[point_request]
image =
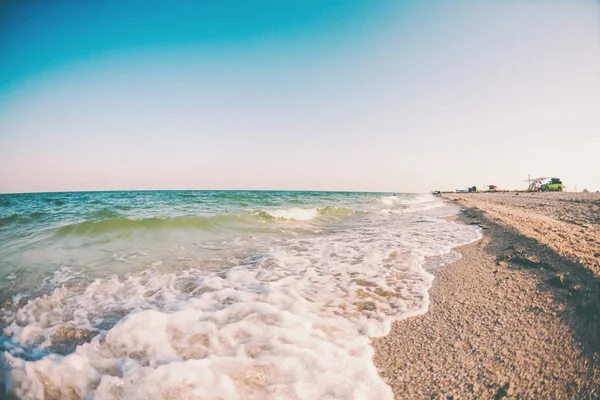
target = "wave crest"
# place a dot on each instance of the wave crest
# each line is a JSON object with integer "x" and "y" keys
{"x": 305, "y": 214}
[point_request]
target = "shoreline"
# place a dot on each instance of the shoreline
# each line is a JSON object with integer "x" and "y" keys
{"x": 500, "y": 324}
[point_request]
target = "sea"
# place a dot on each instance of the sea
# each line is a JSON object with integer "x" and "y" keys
{"x": 212, "y": 294}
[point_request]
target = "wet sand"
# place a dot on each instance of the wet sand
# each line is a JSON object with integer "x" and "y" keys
{"x": 517, "y": 316}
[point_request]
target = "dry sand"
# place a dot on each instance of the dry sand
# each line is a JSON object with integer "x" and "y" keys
{"x": 517, "y": 316}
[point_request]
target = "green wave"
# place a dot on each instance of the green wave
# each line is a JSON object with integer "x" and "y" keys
{"x": 8, "y": 220}
{"x": 14, "y": 219}
{"x": 336, "y": 211}
{"x": 106, "y": 213}
{"x": 119, "y": 225}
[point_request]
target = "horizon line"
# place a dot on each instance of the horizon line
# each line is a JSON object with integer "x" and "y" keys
{"x": 206, "y": 190}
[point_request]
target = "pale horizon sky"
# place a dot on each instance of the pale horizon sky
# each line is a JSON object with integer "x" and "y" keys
{"x": 375, "y": 95}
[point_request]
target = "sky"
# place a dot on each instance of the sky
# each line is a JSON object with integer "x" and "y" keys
{"x": 366, "y": 95}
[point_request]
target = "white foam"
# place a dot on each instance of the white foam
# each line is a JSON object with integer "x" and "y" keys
{"x": 390, "y": 200}
{"x": 395, "y": 205}
{"x": 404, "y": 199}
{"x": 424, "y": 206}
{"x": 251, "y": 333}
{"x": 294, "y": 213}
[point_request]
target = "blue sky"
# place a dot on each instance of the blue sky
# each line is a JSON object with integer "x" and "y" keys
{"x": 328, "y": 95}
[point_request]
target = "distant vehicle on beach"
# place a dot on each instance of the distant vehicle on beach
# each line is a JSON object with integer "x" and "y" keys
{"x": 555, "y": 185}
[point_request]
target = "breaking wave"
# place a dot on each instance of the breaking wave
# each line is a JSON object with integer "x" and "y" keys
{"x": 305, "y": 214}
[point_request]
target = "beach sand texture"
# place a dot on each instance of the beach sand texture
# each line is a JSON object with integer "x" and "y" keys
{"x": 517, "y": 316}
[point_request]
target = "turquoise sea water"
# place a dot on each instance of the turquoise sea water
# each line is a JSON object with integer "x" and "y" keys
{"x": 229, "y": 294}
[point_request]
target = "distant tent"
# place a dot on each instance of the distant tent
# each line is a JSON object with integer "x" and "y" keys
{"x": 535, "y": 183}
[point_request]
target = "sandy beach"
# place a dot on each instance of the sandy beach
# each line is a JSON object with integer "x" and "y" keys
{"x": 517, "y": 316}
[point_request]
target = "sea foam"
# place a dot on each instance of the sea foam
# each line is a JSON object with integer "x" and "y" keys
{"x": 294, "y": 213}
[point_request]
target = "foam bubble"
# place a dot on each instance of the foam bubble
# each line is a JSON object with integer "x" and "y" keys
{"x": 390, "y": 200}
